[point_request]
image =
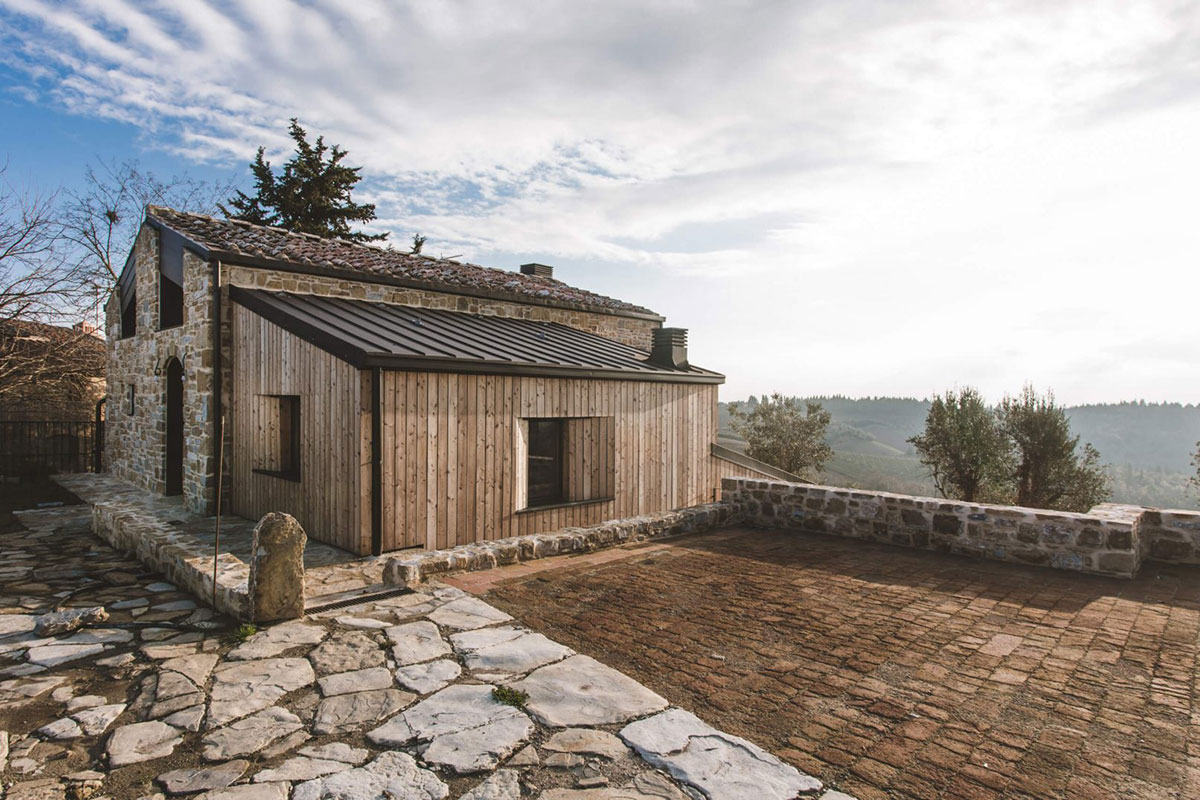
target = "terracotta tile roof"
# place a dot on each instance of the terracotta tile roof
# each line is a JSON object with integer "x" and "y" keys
{"x": 236, "y": 238}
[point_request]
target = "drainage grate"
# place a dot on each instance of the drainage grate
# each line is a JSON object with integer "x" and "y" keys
{"x": 357, "y": 600}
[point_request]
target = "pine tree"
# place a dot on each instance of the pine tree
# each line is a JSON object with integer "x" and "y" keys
{"x": 310, "y": 195}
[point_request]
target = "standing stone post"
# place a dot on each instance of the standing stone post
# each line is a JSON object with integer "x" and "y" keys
{"x": 277, "y": 569}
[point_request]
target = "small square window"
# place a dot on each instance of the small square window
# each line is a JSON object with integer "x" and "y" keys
{"x": 568, "y": 460}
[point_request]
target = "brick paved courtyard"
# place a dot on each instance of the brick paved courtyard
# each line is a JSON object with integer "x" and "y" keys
{"x": 894, "y": 673}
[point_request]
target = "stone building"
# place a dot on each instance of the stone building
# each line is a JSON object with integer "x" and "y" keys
{"x": 390, "y": 400}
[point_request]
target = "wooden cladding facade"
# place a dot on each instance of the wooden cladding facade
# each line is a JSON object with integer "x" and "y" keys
{"x": 451, "y": 467}
{"x": 331, "y": 497}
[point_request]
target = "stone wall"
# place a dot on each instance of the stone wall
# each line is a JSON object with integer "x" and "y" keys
{"x": 409, "y": 571}
{"x": 135, "y": 443}
{"x": 634, "y": 331}
{"x": 1108, "y": 542}
{"x": 1172, "y": 535}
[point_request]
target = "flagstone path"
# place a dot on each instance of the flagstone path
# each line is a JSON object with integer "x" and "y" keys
{"x": 389, "y": 699}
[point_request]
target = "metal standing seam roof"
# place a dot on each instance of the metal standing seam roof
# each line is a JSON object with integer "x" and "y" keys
{"x": 374, "y": 334}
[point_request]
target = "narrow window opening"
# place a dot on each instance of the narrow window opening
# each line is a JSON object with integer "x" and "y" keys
{"x": 170, "y": 281}
{"x": 170, "y": 303}
{"x": 128, "y": 314}
{"x": 545, "y": 462}
{"x": 289, "y": 435}
{"x": 279, "y": 438}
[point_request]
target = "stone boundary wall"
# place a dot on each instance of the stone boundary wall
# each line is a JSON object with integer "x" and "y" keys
{"x": 1105, "y": 541}
{"x": 413, "y": 570}
{"x": 178, "y": 557}
{"x": 1172, "y": 535}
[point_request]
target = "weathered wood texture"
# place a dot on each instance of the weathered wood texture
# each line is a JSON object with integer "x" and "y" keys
{"x": 329, "y": 500}
{"x": 452, "y": 470}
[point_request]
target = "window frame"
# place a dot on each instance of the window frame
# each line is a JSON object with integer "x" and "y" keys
{"x": 287, "y": 407}
{"x": 525, "y": 501}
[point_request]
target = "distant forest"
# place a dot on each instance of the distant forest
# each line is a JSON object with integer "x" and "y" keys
{"x": 1147, "y": 446}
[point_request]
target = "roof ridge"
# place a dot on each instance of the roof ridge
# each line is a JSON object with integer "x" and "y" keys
{"x": 241, "y": 238}
{"x": 167, "y": 210}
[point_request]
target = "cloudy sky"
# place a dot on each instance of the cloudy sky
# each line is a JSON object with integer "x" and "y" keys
{"x": 839, "y": 196}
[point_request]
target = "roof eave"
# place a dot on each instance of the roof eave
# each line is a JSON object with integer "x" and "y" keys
{"x": 398, "y": 363}
{"x": 368, "y": 360}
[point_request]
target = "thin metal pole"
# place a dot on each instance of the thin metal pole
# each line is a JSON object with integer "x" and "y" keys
{"x": 220, "y": 471}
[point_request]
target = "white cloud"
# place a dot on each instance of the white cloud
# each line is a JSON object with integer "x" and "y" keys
{"x": 896, "y": 197}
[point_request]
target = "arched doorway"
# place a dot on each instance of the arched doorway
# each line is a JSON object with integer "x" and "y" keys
{"x": 174, "y": 465}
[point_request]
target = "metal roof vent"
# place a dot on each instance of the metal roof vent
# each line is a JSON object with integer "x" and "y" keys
{"x": 670, "y": 348}
{"x": 538, "y": 270}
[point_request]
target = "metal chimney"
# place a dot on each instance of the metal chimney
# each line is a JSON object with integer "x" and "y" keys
{"x": 670, "y": 348}
{"x": 538, "y": 270}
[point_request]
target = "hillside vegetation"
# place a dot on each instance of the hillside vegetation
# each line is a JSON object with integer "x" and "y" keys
{"x": 1148, "y": 446}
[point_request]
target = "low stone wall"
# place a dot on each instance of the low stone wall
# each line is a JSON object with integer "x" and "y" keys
{"x": 1107, "y": 541}
{"x": 408, "y": 571}
{"x": 1172, "y": 535}
{"x": 176, "y": 556}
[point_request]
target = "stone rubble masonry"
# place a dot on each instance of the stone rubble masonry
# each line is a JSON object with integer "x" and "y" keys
{"x": 409, "y": 571}
{"x": 1108, "y": 540}
{"x": 137, "y": 528}
{"x": 135, "y": 444}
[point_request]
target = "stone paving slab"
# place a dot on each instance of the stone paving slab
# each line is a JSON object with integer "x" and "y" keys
{"x": 397, "y": 695}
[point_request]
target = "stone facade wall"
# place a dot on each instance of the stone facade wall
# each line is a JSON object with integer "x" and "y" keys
{"x": 135, "y": 443}
{"x": 409, "y": 571}
{"x": 1102, "y": 543}
{"x": 629, "y": 330}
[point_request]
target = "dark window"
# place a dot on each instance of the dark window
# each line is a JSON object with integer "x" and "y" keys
{"x": 545, "y": 462}
{"x": 128, "y": 314}
{"x": 170, "y": 303}
{"x": 130, "y": 397}
{"x": 289, "y": 436}
{"x": 170, "y": 280}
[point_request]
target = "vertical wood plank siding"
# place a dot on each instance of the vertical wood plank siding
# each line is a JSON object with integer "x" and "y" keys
{"x": 331, "y": 499}
{"x": 455, "y": 472}
{"x": 451, "y": 462}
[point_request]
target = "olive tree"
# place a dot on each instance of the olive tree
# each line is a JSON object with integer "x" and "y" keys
{"x": 782, "y": 433}
{"x": 1049, "y": 469}
{"x": 962, "y": 447}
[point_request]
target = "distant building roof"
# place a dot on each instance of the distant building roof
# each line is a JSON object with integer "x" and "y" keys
{"x": 242, "y": 242}
{"x": 373, "y": 334}
{"x": 83, "y": 338}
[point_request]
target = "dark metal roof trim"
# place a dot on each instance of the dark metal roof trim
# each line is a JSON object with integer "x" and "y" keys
{"x": 743, "y": 460}
{"x": 370, "y": 335}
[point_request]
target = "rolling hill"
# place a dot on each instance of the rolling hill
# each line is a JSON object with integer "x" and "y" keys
{"x": 1147, "y": 446}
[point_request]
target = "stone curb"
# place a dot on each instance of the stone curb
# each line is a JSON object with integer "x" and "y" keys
{"x": 410, "y": 571}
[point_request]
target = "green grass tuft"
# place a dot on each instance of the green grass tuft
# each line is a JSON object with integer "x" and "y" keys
{"x": 510, "y": 696}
